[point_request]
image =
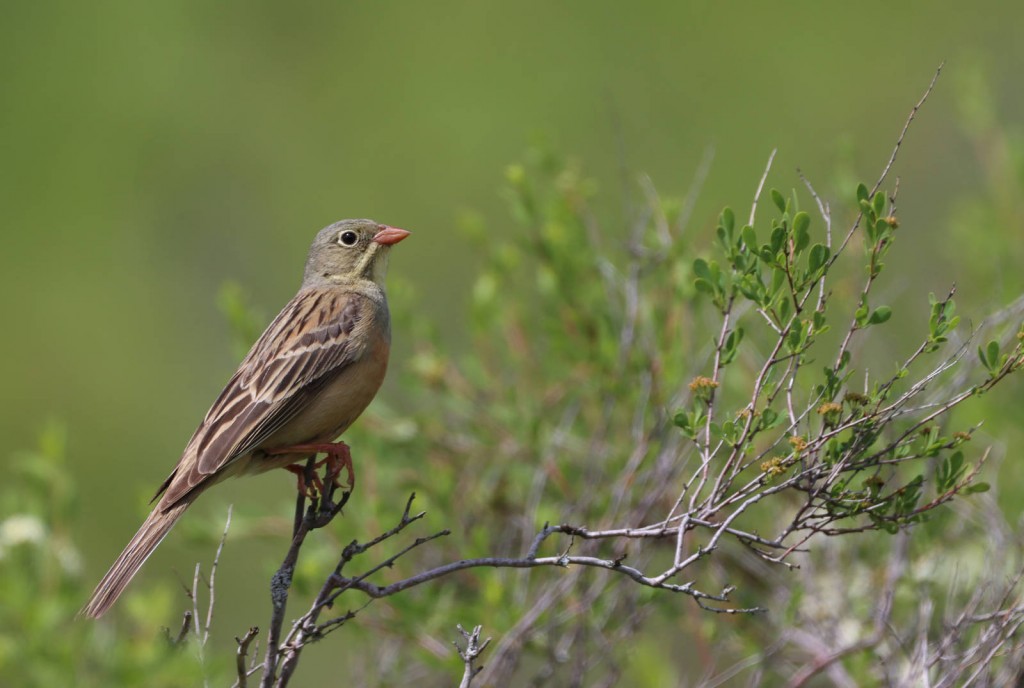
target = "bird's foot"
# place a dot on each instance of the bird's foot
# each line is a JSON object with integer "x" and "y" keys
{"x": 310, "y": 490}
{"x": 338, "y": 456}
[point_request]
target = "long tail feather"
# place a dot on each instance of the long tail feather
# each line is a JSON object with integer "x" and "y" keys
{"x": 150, "y": 534}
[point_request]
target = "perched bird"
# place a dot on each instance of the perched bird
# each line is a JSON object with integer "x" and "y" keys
{"x": 305, "y": 380}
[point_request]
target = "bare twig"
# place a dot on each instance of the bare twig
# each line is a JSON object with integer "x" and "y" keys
{"x": 906, "y": 128}
{"x": 320, "y": 512}
{"x": 242, "y": 670}
{"x": 211, "y": 583}
{"x": 760, "y": 186}
{"x": 473, "y": 649}
{"x": 179, "y": 638}
{"x": 892, "y": 156}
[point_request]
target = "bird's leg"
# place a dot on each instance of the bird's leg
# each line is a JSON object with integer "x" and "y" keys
{"x": 337, "y": 457}
{"x": 299, "y": 470}
{"x": 337, "y": 460}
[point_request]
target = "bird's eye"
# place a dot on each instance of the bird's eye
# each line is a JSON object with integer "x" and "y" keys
{"x": 348, "y": 238}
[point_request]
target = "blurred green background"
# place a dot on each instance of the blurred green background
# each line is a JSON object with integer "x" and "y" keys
{"x": 154, "y": 151}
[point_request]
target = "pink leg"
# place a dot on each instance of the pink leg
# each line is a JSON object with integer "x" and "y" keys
{"x": 299, "y": 471}
{"x": 337, "y": 456}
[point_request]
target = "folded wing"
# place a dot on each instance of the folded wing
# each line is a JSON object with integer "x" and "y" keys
{"x": 301, "y": 351}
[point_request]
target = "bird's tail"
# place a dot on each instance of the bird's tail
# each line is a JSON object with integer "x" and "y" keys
{"x": 150, "y": 534}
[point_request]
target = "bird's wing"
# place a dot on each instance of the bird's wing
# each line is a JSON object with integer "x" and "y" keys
{"x": 308, "y": 343}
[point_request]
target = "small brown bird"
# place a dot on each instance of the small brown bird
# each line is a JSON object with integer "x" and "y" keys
{"x": 305, "y": 380}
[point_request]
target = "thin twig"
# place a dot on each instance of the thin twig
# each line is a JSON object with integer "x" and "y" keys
{"x": 906, "y": 128}
{"x": 321, "y": 511}
{"x": 760, "y": 186}
{"x": 211, "y": 584}
{"x": 473, "y": 649}
{"x": 892, "y": 159}
{"x": 240, "y": 656}
{"x": 186, "y": 623}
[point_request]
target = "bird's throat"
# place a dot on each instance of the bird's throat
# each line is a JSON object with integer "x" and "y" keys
{"x": 376, "y": 268}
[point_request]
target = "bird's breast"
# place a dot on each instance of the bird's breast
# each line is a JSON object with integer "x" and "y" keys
{"x": 334, "y": 408}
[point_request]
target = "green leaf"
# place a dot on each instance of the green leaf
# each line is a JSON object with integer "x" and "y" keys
{"x": 949, "y": 472}
{"x": 769, "y": 419}
{"x": 779, "y": 200}
{"x": 732, "y": 343}
{"x": 908, "y": 496}
{"x": 794, "y": 338}
{"x": 723, "y": 238}
{"x": 975, "y": 488}
{"x": 752, "y": 288}
{"x": 993, "y": 355}
{"x": 689, "y": 423}
{"x": 801, "y": 221}
{"x": 818, "y": 257}
{"x": 784, "y": 309}
{"x": 860, "y": 316}
{"x": 778, "y": 239}
{"x": 878, "y": 203}
{"x": 880, "y": 315}
{"x": 728, "y": 220}
{"x": 818, "y": 320}
{"x": 862, "y": 192}
{"x": 749, "y": 238}
{"x": 801, "y": 224}
{"x": 730, "y": 432}
{"x": 778, "y": 279}
{"x": 701, "y": 269}
{"x": 956, "y": 462}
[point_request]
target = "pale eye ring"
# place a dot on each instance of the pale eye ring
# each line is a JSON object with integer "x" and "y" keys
{"x": 348, "y": 238}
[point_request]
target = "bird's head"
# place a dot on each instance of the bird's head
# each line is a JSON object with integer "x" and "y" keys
{"x": 349, "y": 251}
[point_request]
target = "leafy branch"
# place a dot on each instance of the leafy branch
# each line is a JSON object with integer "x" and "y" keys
{"x": 660, "y": 453}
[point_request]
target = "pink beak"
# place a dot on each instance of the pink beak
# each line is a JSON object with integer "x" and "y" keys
{"x": 389, "y": 235}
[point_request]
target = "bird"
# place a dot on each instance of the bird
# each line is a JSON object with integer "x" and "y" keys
{"x": 311, "y": 373}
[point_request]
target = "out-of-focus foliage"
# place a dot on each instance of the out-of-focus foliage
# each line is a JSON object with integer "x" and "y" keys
{"x": 585, "y": 344}
{"x": 979, "y": 219}
{"x": 153, "y": 153}
{"x": 42, "y": 587}
{"x": 557, "y": 402}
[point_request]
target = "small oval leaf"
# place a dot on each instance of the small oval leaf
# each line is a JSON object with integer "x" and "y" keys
{"x": 880, "y": 315}
{"x": 779, "y": 200}
{"x": 728, "y": 219}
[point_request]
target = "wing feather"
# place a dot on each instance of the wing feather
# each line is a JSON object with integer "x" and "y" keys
{"x": 301, "y": 351}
